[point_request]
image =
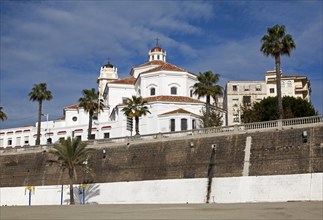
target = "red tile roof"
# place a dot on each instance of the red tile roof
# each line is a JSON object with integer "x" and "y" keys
{"x": 72, "y": 106}
{"x": 128, "y": 80}
{"x": 165, "y": 98}
{"x": 165, "y": 66}
{"x": 178, "y": 111}
{"x": 154, "y": 62}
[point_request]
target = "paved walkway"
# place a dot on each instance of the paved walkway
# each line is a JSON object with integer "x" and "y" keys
{"x": 288, "y": 210}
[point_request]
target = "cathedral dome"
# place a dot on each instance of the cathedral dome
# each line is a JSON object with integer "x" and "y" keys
{"x": 156, "y": 49}
{"x": 108, "y": 65}
{"x": 157, "y": 53}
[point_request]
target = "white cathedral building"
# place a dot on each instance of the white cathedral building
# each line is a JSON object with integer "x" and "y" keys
{"x": 167, "y": 88}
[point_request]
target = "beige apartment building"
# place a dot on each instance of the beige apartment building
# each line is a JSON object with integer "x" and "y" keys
{"x": 239, "y": 93}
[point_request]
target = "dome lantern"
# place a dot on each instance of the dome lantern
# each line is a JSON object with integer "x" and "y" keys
{"x": 157, "y": 53}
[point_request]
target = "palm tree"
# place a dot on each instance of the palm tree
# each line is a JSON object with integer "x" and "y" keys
{"x": 136, "y": 107}
{"x": 39, "y": 93}
{"x": 71, "y": 154}
{"x": 276, "y": 43}
{"x": 207, "y": 86}
{"x": 91, "y": 104}
{"x": 3, "y": 115}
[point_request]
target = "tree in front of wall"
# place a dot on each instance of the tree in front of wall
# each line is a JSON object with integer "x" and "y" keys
{"x": 91, "y": 103}
{"x": 136, "y": 107}
{"x": 207, "y": 86}
{"x": 40, "y": 93}
{"x": 71, "y": 155}
{"x": 215, "y": 118}
{"x": 277, "y": 43}
{"x": 267, "y": 109}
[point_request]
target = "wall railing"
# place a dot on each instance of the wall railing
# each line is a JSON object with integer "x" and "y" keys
{"x": 250, "y": 127}
{"x": 226, "y": 130}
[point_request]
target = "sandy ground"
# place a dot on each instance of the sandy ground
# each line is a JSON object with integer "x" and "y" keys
{"x": 287, "y": 210}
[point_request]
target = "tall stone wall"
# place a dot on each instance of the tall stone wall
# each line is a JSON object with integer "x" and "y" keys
{"x": 271, "y": 153}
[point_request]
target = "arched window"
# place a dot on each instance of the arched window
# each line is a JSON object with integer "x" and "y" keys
{"x": 152, "y": 91}
{"x": 173, "y": 90}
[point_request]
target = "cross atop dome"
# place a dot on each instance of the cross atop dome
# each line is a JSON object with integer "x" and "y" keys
{"x": 157, "y": 53}
{"x": 157, "y": 41}
{"x": 108, "y": 64}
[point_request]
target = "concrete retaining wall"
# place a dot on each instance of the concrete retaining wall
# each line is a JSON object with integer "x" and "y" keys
{"x": 276, "y": 188}
{"x": 264, "y": 166}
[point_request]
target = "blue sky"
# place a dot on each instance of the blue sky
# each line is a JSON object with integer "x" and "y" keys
{"x": 64, "y": 43}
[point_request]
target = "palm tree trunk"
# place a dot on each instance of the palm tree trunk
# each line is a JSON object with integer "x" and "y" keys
{"x": 278, "y": 85}
{"x": 39, "y": 122}
{"x": 207, "y": 111}
{"x": 137, "y": 125}
{"x": 89, "y": 131}
{"x": 70, "y": 173}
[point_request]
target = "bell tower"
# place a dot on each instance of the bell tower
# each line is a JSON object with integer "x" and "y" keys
{"x": 108, "y": 73}
{"x": 157, "y": 53}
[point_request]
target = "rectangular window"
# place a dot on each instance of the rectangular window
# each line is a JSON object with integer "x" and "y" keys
{"x": 1, "y": 143}
{"x": 236, "y": 119}
{"x": 234, "y": 87}
{"x": 92, "y": 137}
{"x": 26, "y": 140}
{"x": 173, "y": 91}
{"x": 191, "y": 93}
{"x": 79, "y": 137}
{"x": 9, "y": 142}
{"x": 258, "y": 87}
{"x": 246, "y": 88}
{"x": 246, "y": 100}
{"x": 193, "y": 124}
{"x": 152, "y": 91}
{"x": 272, "y": 90}
{"x": 106, "y": 135}
{"x": 172, "y": 125}
{"x": 183, "y": 124}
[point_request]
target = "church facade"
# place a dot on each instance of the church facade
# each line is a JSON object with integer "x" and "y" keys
{"x": 167, "y": 88}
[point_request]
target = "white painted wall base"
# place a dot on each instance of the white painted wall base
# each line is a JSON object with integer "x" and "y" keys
{"x": 279, "y": 188}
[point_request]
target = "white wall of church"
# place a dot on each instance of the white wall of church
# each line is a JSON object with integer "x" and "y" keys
{"x": 118, "y": 92}
{"x": 163, "y": 121}
{"x": 163, "y": 81}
